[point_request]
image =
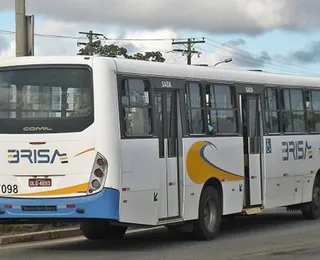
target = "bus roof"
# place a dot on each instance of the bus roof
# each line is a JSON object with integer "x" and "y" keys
{"x": 214, "y": 74}
{"x": 172, "y": 70}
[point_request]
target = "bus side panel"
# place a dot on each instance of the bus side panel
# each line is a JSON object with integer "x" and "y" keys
{"x": 107, "y": 125}
{"x": 220, "y": 158}
{"x": 140, "y": 181}
{"x": 291, "y": 165}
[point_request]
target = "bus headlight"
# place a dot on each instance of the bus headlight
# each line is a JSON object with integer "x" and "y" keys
{"x": 98, "y": 174}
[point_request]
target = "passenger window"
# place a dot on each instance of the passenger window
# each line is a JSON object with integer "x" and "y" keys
{"x": 195, "y": 108}
{"x": 222, "y": 108}
{"x": 313, "y": 110}
{"x": 293, "y": 110}
{"x": 272, "y": 110}
{"x": 136, "y": 106}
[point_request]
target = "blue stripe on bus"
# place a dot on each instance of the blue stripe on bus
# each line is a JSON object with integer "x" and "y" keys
{"x": 104, "y": 205}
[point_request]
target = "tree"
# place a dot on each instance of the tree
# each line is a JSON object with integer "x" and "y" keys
{"x": 115, "y": 50}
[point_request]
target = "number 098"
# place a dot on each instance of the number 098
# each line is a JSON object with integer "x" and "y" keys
{"x": 8, "y": 189}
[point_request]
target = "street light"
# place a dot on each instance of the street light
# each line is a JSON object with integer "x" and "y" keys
{"x": 227, "y": 60}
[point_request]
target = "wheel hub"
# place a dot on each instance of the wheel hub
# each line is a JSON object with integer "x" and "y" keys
{"x": 210, "y": 215}
{"x": 316, "y": 196}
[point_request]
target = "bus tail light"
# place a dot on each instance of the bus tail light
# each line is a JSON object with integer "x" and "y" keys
{"x": 100, "y": 161}
{"x": 98, "y": 174}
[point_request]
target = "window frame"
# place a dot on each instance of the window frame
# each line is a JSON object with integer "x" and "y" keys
{"x": 233, "y": 91}
{"x": 310, "y": 90}
{"x": 265, "y": 110}
{"x": 302, "y": 89}
{"x": 124, "y": 134}
{"x": 202, "y": 108}
{"x": 57, "y": 125}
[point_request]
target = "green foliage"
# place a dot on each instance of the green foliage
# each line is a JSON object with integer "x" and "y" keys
{"x": 115, "y": 50}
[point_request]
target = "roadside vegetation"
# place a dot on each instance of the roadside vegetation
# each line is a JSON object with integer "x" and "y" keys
{"x": 6, "y": 230}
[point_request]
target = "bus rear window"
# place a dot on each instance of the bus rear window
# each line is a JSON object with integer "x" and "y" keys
{"x": 34, "y": 94}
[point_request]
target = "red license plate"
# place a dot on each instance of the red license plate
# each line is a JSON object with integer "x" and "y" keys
{"x": 40, "y": 182}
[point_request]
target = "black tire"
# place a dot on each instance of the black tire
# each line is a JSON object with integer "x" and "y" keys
{"x": 101, "y": 230}
{"x": 207, "y": 226}
{"x": 312, "y": 210}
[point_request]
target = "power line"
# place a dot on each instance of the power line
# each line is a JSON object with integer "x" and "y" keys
{"x": 105, "y": 37}
{"x": 253, "y": 63}
{"x": 256, "y": 62}
{"x": 47, "y": 35}
{"x": 259, "y": 62}
{"x": 147, "y": 39}
{"x": 266, "y": 58}
{"x": 189, "y": 51}
{"x": 245, "y": 61}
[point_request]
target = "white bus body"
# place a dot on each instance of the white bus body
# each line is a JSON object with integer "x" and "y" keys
{"x": 114, "y": 143}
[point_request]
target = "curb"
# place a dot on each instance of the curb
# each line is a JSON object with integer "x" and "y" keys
{"x": 40, "y": 236}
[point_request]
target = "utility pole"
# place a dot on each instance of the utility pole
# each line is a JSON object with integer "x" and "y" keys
{"x": 189, "y": 50}
{"x": 30, "y": 35}
{"x": 21, "y": 28}
{"x": 24, "y": 30}
{"x": 90, "y": 36}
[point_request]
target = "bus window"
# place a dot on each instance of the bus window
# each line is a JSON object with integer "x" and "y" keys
{"x": 293, "y": 110}
{"x": 222, "y": 108}
{"x": 37, "y": 96}
{"x": 313, "y": 110}
{"x": 195, "y": 108}
{"x": 136, "y": 107}
{"x": 272, "y": 110}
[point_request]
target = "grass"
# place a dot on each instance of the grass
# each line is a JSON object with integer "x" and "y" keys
{"x": 6, "y": 230}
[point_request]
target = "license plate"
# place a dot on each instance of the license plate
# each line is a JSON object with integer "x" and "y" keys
{"x": 39, "y": 208}
{"x": 40, "y": 182}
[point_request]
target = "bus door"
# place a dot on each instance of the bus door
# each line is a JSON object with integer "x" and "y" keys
{"x": 168, "y": 124}
{"x": 252, "y": 136}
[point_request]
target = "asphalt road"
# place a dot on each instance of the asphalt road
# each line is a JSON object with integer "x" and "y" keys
{"x": 273, "y": 236}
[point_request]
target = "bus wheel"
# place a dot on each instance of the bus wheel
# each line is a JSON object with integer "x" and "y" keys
{"x": 207, "y": 226}
{"x": 312, "y": 210}
{"x": 101, "y": 230}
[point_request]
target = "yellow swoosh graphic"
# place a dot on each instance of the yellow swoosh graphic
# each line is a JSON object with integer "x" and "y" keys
{"x": 64, "y": 191}
{"x": 85, "y": 151}
{"x": 200, "y": 169}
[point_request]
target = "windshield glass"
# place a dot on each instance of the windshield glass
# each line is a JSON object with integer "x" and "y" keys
{"x": 45, "y": 93}
{"x": 49, "y": 94}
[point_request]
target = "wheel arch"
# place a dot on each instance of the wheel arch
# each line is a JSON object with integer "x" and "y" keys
{"x": 317, "y": 175}
{"x": 216, "y": 184}
{"x": 311, "y": 210}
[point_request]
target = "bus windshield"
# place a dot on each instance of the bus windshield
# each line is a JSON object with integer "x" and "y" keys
{"x": 34, "y": 97}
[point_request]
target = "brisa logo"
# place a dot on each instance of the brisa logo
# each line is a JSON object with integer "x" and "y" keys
{"x": 297, "y": 150}
{"x": 42, "y": 156}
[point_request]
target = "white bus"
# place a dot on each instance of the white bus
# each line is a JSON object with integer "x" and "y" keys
{"x": 114, "y": 143}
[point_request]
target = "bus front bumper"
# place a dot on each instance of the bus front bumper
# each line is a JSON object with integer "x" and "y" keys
{"x": 104, "y": 205}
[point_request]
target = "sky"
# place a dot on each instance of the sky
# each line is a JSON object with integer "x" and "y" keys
{"x": 281, "y": 36}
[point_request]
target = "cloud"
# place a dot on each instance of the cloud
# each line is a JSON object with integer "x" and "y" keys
{"x": 240, "y": 57}
{"x": 68, "y": 46}
{"x": 311, "y": 55}
{"x": 246, "y": 59}
{"x": 232, "y": 16}
{"x": 300, "y": 14}
{"x": 7, "y": 46}
{"x": 55, "y": 46}
{"x": 237, "y": 42}
{"x": 3, "y": 43}
{"x": 61, "y": 46}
